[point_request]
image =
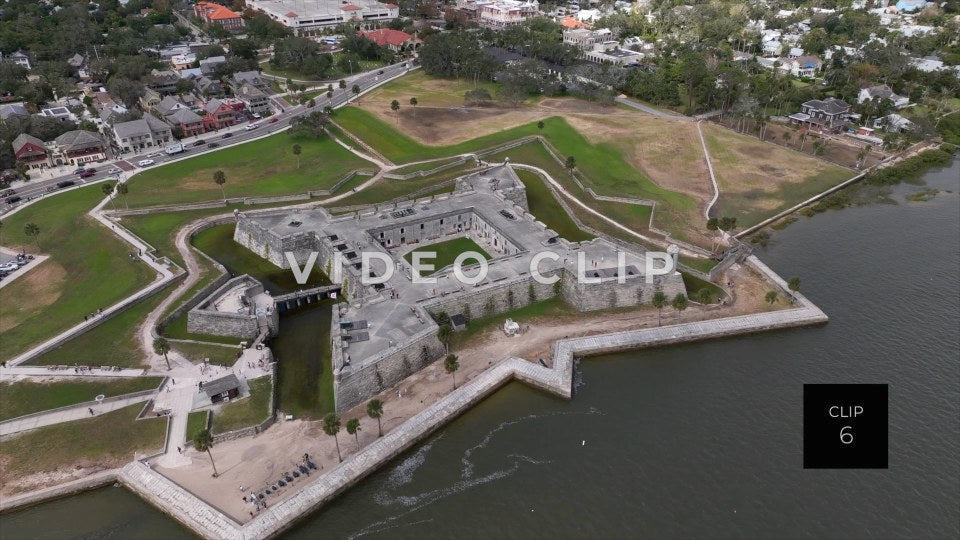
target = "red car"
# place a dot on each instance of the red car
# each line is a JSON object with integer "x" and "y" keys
{"x": 272, "y": 120}
{"x": 88, "y": 173}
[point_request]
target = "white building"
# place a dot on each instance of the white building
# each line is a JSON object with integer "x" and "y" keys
{"x": 309, "y": 14}
{"x": 504, "y": 13}
{"x": 882, "y": 92}
{"x": 147, "y": 132}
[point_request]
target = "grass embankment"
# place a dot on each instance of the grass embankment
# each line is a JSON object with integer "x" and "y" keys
{"x": 88, "y": 269}
{"x": 430, "y": 91}
{"x": 759, "y": 179}
{"x": 694, "y": 285}
{"x": 387, "y": 190}
{"x": 246, "y": 412}
{"x": 110, "y": 440}
{"x": 543, "y": 204}
{"x": 25, "y": 397}
{"x": 304, "y": 370}
{"x": 262, "y": 168}
{"x": 196, "y": 422}
{"x": 447, "y": 252}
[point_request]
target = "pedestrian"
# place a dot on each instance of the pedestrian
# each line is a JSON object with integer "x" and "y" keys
{"x": 179, "y": 450}
{"x": 91, "y": 410}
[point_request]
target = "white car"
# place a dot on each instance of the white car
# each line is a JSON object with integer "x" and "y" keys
{"x": 115, "y": 170}
{"x": 9, "y": 267}
{"x": 145, "y": 162}
{"x": 251, "y": 127}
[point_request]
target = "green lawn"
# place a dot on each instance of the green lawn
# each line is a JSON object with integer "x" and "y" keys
{"x": 246, "y": 412}
{"x": 89, "y": 268}
{"x": 387, "y": 190}
{"x": 196, "y": 422}
{"x": 447, "y": 252}
{"x": 261, "y": 168}
{"x": 304, "y": 370}
{"x": 697, "y": 263}
{"x": 110, "y": 439}
{"x": 198, "y": 352}
{"x": 25, "y": 397}
{"x": 694, "y": 284}
{"x": 114, "y": 342}
{"x": 543, "y": 204}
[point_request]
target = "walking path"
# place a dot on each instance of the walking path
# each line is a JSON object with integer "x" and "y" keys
{"x": 713, "y": 178}
{"x": 670, "y": 115}
{"x": 69, "y": 371}
{"x": 67, "y": 415}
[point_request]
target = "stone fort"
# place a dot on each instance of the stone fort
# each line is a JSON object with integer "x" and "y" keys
{"x": 384, "y": 332}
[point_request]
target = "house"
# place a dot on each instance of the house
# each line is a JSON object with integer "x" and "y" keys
{"x": 18, "y": 58}
{"x": 252, "y": 78}
{"x": 882, "y": 92}
{"x": 795, "y": 52}
{"x": 222, "y": 389}
{"x": 31, "y": 151}
{"x": 207, "y": 87}
{"x": 571, "y": 23}
{"x": 609, "y": 52}
{"x": 254, "y": 99}
{"x": 585, "y": 39}
{"x": 147, "y": 132}
{"x": 208, "y": 66}
{"x": 162, "y": 81}
{"x": 168, "y": 105}
{"x": 60, "y": 113}
{"x": 218, "y": 115}
{"x": 216, "y": 14}
{"x": 772, "y": 47}
{"x": 829, "y": 114}
{"x": 910, "y": 6}
{"x": 76, "y": 61}
{"x": 13, "y": 110}
{"x": 183, "y": 61}
{"x": 150, "y": 99}
{"x": 928, "y": 64}
{"x": 79, "y": 146}
{"x": 186, "y": 122}
{"x": 807, "y": 65}
{"x": 504, "y": 13}
{"x": 893, "y": 123}
{"x": 395, "y": 40}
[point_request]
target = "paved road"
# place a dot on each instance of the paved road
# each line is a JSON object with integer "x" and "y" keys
{"x": 239, "y": 135}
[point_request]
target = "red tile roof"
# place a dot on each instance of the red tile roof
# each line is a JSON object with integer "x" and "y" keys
{"x": 351, "y": 7}
{"x": 216, "y": 12}
{"x": 386, "y": 36}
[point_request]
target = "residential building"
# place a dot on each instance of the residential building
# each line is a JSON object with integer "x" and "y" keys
{"x": 18, "y": 58}
{"x": 300, "y": 15}
{"x": 209, "y": 65}
{"x": 217, "y": 14}
{"x": 162, "y": 81}
{"x": 829, "y": 114}
{"x": 12, "y": 110}
{"x": 395, "y": 40}
{"x": 78, "y": 146}
{"x": 254, "y": 99}
{"x": 910, "y": 6}
{"x": 150, "y": 99}
{"x": 186, "y": 122}
{"x": 893, "y": 123}
{"x": 252, "y": 78}
{"x": 77, "y": 61}
{"x": 147, "y": 132}
{"x": 609, "y": 52}
{"x": 169, "y": 105}
{"x": 60, "y": 113}
{"x": 807, "y": 65}
{"x": 31, "y": 151}
{"x": 882, "y": 92}
{"x": 207, "y": 87}
{"x": 218, "y": 115}
{"x": 503, "y": 13}
{"x": 585, "y": 39}
{"x": 183, "y": 61}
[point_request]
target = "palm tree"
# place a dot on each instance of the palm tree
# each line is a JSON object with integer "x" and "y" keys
{"x": 204, "y": 442}
{"x": 107, "y": 189}
{"x": 444, "y": 334}
{"x": 452, "y": 364}
{"x": 679, "y": 303}
{"x": 331, "y": 426}
{"x": 297, "y": 151}
{"x": 786, "y": 137}
{"x": 122, "y": 189}
{"x": 771, "y": 297}
{"x": 353, "y": 428}
{"x": 803, "y": 139}
{"x": 659, "y": 301}
{"x": 221, "y": 178}
{"x": 414, "y": 103}
{"x": 395, "y": 107}
{"x": 32, "y": 229}
{"x": 162, "y": 346}
{"x": 375, "y": 410}
{"x": 794, "y": 284}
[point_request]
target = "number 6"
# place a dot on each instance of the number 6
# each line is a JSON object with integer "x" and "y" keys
{"x": 846, "y": 437}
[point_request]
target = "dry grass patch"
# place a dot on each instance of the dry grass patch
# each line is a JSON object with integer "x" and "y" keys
{"x": 42, "y": 285}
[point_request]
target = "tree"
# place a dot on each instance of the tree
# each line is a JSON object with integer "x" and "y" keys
{"x": 451, "y": 363}
{"x": 771, "y": 297}
{"x": 342, "y": 84}
{"x": 704, "y": 296}
{"x": 162, "y": 346}
{"x": 32, "y": 229}
{"x": 444, "y": 334}
{"x": 122, "y": 189}
{"x": 395, "y": 107}
{"x": 570, "y": 164}
{"x": 794, "y": 284}
{"x": 680, "y": 303}
{"x": 203, "y": 442}
{"x": 107, "y": 189}
{"x": 331, "y": 426}
{"x": 413, "y": 103}
{"x": 540, "y": 125}
{"x": 355, "y": 90}
{"x": 353, "y": 428}
{"x": 297, "y": 150}
{"x": 220, "y": 178}
{"x": 375, "y": 410}
{"x": 659, "y": 301}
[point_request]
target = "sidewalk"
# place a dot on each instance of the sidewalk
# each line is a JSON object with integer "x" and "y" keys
{"x": 76, "y": 413}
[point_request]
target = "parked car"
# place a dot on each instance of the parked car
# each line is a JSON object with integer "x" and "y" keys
{"x": 65, "y": 184}
{"x": 227, "y": 135}
{"x": 79, "y": 170}
{"x": 251, "y": 127}
{"x": 115, "y": 170}
{"x": 380, "y": 72}
{"x": 13, "y": 199}
{"x": 145, "y": 162}
{"x": 273, "y": 120}
{"x": 256, "y": 116}
{"x": 7, "y": 192}
{"x": 199, "y": 143}
{"x": 213, "y": 145}
{"x": 9, "y": 267}
{"x": 88, "y": 173}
